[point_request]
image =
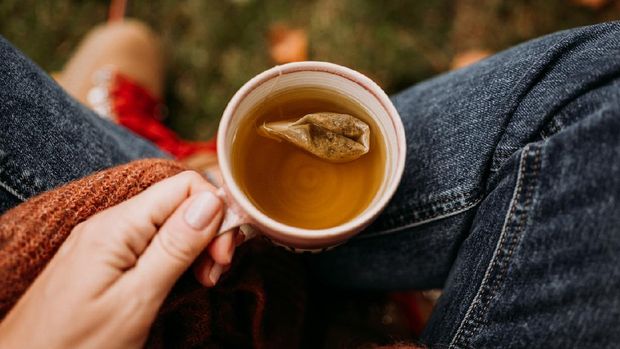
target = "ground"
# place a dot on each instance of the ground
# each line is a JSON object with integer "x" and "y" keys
{"x": 214, "y": 46}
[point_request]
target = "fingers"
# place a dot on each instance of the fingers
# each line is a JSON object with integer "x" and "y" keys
{"x": 215, "y": 260}
{"x": 223, "y": 247}
{"x": 208, "y": 272}
{"x": 157, "y": 203}
{"x": 131, "y": 225}
{"x": 203, "y": 269}
{"x": 157, "y": 234}
{"x": 183, "y": 236}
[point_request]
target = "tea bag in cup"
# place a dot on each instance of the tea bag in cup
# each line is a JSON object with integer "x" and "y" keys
{"x": 330, "y": 136}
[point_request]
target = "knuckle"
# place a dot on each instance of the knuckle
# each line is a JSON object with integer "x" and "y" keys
{"x": 176, "y": 248}
{"x": 104, "y": 234}
{"x": 83, "y": 231}
{"x": 80, "y": 227}
{"x": 191, "y": 176}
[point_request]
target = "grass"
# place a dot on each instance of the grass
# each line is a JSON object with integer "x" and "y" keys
{"x": 214, "y": 46}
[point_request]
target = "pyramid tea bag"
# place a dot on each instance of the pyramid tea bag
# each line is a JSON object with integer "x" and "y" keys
{"x": 295, "y": 186}
{"x": 330, "y": 136}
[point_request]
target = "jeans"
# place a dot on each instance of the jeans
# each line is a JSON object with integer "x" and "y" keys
{"x": 510, "y": 199}
{"x": 47, "y": 138}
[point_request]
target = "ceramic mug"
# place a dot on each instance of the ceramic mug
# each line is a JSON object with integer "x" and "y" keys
{"x": 302, "y": 75}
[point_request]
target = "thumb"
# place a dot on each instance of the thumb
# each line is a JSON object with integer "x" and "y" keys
{"x": 182, "y": 237}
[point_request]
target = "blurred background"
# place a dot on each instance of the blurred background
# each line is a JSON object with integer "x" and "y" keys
{"x": 214, "y": 46}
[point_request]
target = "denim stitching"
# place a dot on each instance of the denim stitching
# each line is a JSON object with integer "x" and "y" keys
{"x": 515, "y": 238}
{"x": 436, "y": 216}
{"x": 19, "y": 179}
{"x": 466, "y": 320}
{"x": 431, "y": 212}
{"x": 570, "y": 43}
{"x": 7, "y": 172}
{"x": 12, "y": 191}
{"x": 490, "y": 285}
{"x": 439, "y": 206}
{"x": 424, "y": 207}
{"x": 496, "y": 159}
{"x": 460, "y": 202}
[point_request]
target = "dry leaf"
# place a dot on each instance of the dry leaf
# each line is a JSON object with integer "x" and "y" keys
{"x": 287, "y": 44}
{"x": 592, "y": 4}
{"x": 469, "y": 57}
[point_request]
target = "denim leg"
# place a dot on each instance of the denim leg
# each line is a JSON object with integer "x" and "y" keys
{"x": 47, "y": 138}
{"x": 540, "y": 267}
{"x": 510, "y": 199}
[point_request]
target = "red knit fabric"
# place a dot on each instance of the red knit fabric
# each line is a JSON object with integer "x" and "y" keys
{"x": 137, "y": 109}
{"x": 259, "y": 303}
{"x": 31, "y": 233}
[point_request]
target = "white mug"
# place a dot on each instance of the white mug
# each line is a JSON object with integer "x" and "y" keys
{"x": 302, "y": 75}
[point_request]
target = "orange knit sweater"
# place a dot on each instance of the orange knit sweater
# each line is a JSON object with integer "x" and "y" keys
{"x": 259, "y": 303}
{"x": 239, "y": 313}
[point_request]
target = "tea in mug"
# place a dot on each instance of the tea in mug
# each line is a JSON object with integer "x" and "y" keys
{"x": 294, "y": 186}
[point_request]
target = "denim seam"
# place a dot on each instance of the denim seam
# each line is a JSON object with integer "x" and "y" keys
{"x": 496, "y": 159}
{"x": 503, "y": 252}
{"x": 12, "y": 191}
{"x": 435, "y": 217}
{"x": 546, "y": 130}
{"x": 19, "y": 179}
{"x": 558, "y": 121}
{"x": 7, "y": 172}
{"x": 428, "y": 206}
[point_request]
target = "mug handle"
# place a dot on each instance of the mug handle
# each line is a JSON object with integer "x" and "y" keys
{"x": 234, "y": 216}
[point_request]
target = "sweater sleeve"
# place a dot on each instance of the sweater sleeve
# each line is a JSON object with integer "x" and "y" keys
{"x": 32, "y": 232}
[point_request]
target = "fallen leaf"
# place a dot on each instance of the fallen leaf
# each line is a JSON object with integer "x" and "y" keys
{"x": 592, "y": 4}
{"x": 469, "y": 57}
{"x": 287, "y": 44}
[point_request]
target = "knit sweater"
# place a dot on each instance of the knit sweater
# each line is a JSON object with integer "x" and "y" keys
{"x": 259, "y": 303}
{"x": 241, "y": 312}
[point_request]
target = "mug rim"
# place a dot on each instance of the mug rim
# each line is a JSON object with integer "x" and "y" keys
{"x": 261, "y": 218}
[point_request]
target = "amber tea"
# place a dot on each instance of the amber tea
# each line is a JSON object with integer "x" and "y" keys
{"x": 294, "y": 186}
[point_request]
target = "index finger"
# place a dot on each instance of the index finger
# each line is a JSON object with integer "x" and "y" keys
{"x": 159, "y": 201}
{"x": 147, "y": 211}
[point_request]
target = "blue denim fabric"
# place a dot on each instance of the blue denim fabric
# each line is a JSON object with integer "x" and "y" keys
{"x": 510, "y": 199}
{"x": 47, "y": 138}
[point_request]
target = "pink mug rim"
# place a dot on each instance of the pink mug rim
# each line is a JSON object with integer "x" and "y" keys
{"x": 256, "y": 216}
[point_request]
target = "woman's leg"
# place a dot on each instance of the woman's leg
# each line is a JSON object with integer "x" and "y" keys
{"x": 510, "y": 200}
{"x": 47, "y": 138}
{"x": 129, "y": 46}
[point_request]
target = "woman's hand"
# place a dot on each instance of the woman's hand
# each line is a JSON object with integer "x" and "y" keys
{"x": 106, "y": 283}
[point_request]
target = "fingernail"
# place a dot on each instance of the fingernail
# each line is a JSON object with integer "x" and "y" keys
{"x": 231, "y": 252}
{"x": 202, "y": 209}
{"x": 205, "y": 270}
{"x": 216, "y": 272}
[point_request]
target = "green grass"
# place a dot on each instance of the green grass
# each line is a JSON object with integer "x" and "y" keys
{"x": 213, "y": 47}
